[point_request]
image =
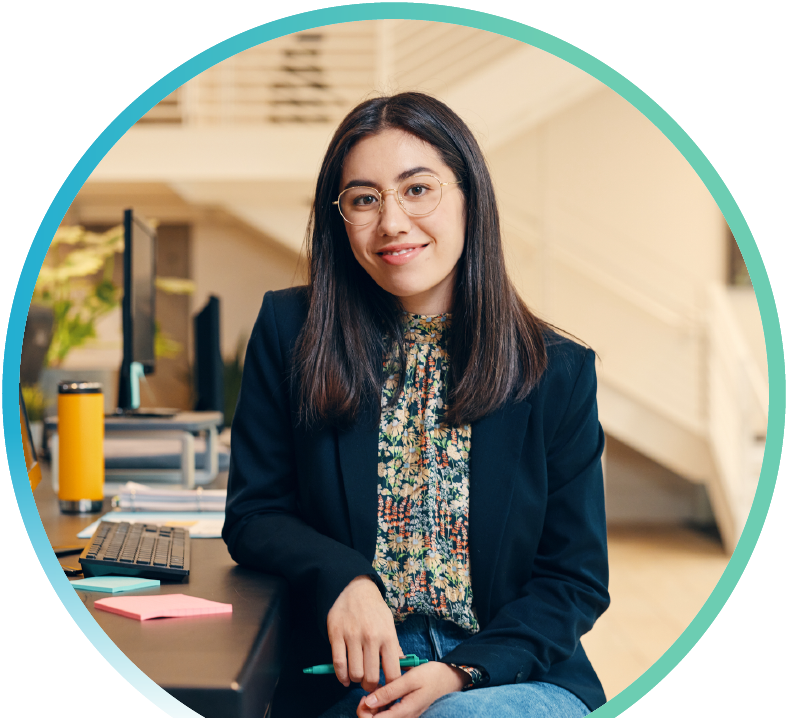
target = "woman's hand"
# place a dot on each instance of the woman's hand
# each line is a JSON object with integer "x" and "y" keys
{"x": 362, "y": 635}
{"x": 419, "y": 688}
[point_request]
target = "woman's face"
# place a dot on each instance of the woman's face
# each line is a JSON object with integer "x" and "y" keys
{"x": 422, "y": 273}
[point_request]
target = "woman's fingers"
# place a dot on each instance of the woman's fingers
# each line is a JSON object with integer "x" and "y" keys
{"x": 362, "y": 635}
{"x": 390, "y": 653}
{"x": 355, "y": 661}
{"x": 364, "y": 711}
{"x": 360, "y": 662}
{"x": 390, "y": 692}
{"x": 339, "y": 659}
{"x": 371, "y": 667}
{"x": 416, "y": 691}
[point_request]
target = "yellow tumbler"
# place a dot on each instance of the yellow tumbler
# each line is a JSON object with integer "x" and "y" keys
{"x": 80, "y": 419}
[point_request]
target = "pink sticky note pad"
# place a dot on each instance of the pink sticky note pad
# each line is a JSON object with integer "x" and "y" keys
{"x": 168, "y": 605}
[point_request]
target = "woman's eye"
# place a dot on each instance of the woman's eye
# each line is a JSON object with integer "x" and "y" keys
{"x": 417, "y": 190}
{"x": 364, "y": 200}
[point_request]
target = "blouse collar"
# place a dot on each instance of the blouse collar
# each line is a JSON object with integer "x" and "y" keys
{"x": 423, "y": 328}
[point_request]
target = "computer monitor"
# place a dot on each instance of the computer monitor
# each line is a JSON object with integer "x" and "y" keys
{"x": 208, "y": 364}
{"x": 38, "y": 337}
{"x": 139, "y": 308}
{"x": 31, "y": 458}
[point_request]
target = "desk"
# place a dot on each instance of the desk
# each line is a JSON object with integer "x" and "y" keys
{"x": 221, "y": 666}
{"x": 182, "y": 426}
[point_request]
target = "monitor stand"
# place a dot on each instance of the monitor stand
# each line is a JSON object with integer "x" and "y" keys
{"x": 152, "y": 413}
{"x": 137, "y": 372}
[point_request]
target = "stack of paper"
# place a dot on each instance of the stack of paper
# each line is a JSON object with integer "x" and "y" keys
{"x": 136, "y": 497}
{"x": 114, "y": 584}
{"x": 171, "y": 605}
{"x": 201, "y": 524}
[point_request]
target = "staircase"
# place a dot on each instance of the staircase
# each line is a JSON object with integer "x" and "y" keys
{"x": 682, "y": 371}
{"x": 688, "y": 394}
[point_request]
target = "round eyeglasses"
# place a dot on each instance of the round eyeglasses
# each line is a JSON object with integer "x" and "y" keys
{"x": 417, "y": 195}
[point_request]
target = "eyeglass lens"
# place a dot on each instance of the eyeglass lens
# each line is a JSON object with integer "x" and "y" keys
{"x": 420, "y": 194}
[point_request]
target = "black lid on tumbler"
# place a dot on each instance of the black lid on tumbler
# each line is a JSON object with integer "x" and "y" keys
{"x": 79, "y": 387}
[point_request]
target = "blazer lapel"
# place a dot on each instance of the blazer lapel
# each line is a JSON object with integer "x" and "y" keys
{"x": 358, "y": 459}
{"x": 496, "y": 444}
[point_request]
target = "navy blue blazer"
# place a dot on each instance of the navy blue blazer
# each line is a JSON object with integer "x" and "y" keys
{"x": 303, "y": 505}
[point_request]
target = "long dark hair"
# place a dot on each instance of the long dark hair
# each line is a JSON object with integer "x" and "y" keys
{"x": 496, "y": 345}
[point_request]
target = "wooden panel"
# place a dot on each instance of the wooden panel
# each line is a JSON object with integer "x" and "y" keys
{"x": 171, "y": 384}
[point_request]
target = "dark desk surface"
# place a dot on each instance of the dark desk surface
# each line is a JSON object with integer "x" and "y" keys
{"x": 220, "y": 666}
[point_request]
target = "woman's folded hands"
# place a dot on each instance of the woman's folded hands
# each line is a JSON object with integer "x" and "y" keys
{"x": 362, "y": 635}
{"x": 417, "y": 690}
{"x": 363, "y": 639}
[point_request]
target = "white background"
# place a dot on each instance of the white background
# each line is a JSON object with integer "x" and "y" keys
{"x": 70, "y": 68}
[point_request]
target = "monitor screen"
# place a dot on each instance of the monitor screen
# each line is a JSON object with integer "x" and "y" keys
{"x": 139, "y": 308}
{"x": 31, "y": 459}
{"x": 208, "y": 364}
{"x": 139, "y": 320}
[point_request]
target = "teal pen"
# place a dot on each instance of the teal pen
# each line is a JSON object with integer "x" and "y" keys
{"x": 410, "y": 661}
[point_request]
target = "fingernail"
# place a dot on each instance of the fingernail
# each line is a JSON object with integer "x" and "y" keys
{"x": 372, "y": 701}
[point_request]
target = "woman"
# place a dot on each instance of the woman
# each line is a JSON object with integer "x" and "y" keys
{"x": 415, "y": 452}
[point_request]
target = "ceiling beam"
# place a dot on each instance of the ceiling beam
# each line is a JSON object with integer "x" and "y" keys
{"x": 215, "y": 154}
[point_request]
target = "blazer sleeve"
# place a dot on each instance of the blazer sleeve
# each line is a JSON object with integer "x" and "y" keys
{"x": 263, "y": 527}
{"x": 567, "y": 590}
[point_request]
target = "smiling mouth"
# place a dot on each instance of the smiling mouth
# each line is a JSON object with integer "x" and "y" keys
{"x": 400, "y": 252}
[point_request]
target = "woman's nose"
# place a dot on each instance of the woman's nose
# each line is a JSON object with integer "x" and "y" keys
{"x": 393, "y": 218}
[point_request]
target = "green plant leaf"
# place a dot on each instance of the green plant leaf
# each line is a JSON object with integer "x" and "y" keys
{"x": 175, "y": 285}
{"x": 68, "y": 284}
{"x": 34, "y": 401}
{"x": 164, "y": 346}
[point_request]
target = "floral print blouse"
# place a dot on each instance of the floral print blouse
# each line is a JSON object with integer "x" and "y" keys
{"x": 422, "y": 553}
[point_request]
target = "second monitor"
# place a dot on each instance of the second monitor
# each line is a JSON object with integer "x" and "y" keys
{"x": 139, "y": 308}
{"x": 208, "y": 363}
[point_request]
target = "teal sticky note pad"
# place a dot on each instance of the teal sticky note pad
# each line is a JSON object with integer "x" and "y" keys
{"x": 114, "y": 584}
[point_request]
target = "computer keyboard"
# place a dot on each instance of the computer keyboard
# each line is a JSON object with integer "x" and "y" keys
{"x": 144, "y": 550}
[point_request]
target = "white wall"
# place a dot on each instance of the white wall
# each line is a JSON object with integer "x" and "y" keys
{"x": 613, "y": 237}
{"x": 239, "y": 266}
{"x": 602, "y": 183}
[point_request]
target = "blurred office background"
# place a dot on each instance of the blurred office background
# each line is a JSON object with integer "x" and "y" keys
{"x": 609, "y": 233}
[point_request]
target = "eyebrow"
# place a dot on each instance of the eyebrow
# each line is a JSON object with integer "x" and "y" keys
{"x": 401, "y": 176}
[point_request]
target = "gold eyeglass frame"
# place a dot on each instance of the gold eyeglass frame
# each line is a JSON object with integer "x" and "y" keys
{"x": 400, "y": 199}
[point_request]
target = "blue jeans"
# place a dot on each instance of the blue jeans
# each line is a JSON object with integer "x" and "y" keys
{"x": 432, "y": 638}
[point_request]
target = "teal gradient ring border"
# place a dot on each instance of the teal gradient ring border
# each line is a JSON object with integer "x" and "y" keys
{"x": 409, "y": 11}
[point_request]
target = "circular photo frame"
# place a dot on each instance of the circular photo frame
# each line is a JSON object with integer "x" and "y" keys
{"x": 407, "y": 11}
